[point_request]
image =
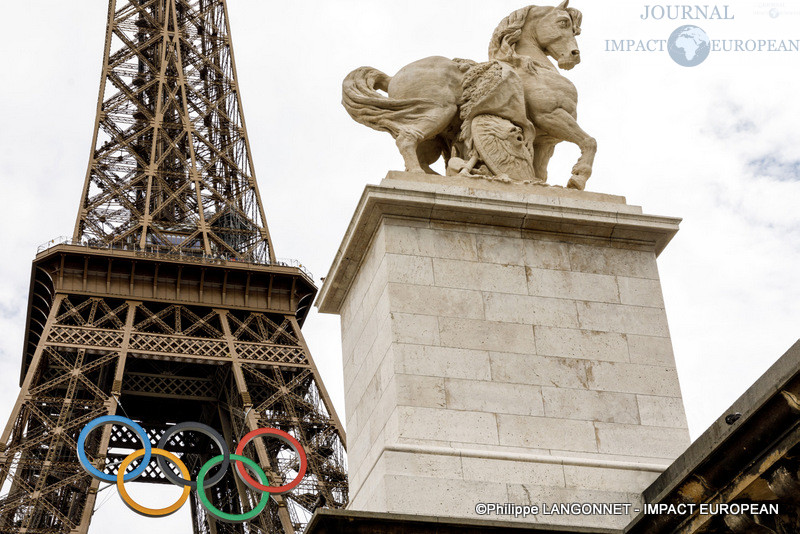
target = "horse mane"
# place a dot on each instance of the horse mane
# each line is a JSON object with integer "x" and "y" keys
{"x": 577, "y": 18}
{"x": 503, "y": 45}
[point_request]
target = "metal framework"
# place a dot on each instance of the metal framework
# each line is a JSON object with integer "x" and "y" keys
{"x": 171, "y": 167}
{"x": 167, "y": 305}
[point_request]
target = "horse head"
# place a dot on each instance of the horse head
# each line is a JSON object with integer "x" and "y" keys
{"x": 552, "y": 30}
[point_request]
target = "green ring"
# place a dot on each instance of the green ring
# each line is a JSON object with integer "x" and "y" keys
{"x": 219, "y": 514}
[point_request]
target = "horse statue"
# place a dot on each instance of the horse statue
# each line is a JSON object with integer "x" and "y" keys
{"x": 500, "y": 118}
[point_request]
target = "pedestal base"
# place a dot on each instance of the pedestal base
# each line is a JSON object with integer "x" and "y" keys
{"x": 503, "y": 344}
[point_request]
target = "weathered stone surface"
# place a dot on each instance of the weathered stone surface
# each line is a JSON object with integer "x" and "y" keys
{"x": 606, "y": 478}
{"x": 634, "y": 378}
{"x": 581, "y": 344}
{"x": 661, "y": 411}
{"x": 539, "y": 370}
{"x": 494, "y": 397}
{"x": 650, "y": 350}
{"x": 642, "y": 441}
{"x": 417, "y": 270}
{"x": 486, "y": 335}
{"x": 491, "y": 277}
{"x": 590, "y": 405}
{"x": 640, "y": 292}
{"x": 562, "y": 435}
{"x": 622, "y": 319}
{"x": 613, "y": 261}
{"x": 442, "y": 362}
{"x": 512, "y": 472}
{"x": 437, "y": 301}
{"x": 478, "y": 352}
{"x": 421, "y": 423}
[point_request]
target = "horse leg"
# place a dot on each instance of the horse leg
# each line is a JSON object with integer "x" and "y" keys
{"x": 407, "y": 143}
{"x": 542, "y": 152}
{"x": 411, "y": 141}
{"x": 429, "y": 151}
{"x": 562, "y": 125}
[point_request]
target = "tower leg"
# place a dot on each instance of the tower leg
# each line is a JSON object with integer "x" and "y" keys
{"x": 152, "y": 357}
{"x": 65, "y": 387}
{"x": 251, "y": 422}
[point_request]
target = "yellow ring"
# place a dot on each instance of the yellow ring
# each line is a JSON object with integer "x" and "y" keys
{"x": 138, "y": 508}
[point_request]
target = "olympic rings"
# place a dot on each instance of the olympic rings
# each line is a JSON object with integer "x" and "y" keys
{"x": 138, "y": 508}
{"x": 287, "y": 439}
{"x": 124, "y": 421}
{"x": 219, "y": 514}
{"x": 203, "y": 429}
{"x": 164, "y": 458}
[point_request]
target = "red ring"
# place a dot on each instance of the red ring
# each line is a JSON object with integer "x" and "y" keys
{"x": 286, "y": 438}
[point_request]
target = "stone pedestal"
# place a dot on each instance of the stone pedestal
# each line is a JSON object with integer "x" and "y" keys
{"x": 503, "y": 343}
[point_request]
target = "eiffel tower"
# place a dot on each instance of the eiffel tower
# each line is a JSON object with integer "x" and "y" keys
{"x": 167, "y": 304}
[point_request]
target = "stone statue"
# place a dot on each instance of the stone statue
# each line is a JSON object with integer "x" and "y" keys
{"x": 501, "y": 118}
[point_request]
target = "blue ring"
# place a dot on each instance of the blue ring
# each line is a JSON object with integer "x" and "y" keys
{"x": 124, "y": 421}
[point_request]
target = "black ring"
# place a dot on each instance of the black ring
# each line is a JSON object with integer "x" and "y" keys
{"x": 192, "y": 426}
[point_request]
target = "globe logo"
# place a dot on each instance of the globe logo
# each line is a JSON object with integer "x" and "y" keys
{"x": 689, "y": 46}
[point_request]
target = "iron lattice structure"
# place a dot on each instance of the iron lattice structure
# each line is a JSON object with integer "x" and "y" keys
{"x": 171, "y": 166}
{"x": 167, "y": 305}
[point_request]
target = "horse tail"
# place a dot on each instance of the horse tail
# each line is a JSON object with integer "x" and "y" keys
{"x": 361, "y": 99}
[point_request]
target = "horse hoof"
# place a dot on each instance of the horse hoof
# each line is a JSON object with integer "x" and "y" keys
{"x": 577, "y": 182}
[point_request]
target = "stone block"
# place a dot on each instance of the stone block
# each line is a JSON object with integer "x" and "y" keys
{"x": 366, "y": 396}
{"x": 613, "y": 260}
{"x": 512, "y": 472}
{"x": 363, "y": 375}
{"x": 622, "y": 318}
{"x": 438, "y": 301}
{"x": 662, "y": 411}
{"x": 586, "y": 405}
{"x": 431, "y": 423}
{"x": 402, "y": 269}
{"x": 442, "y": 362}
{"x": 572, "y": 285}
{"x": 369, "y": 496}
{"x": 413, "y": 328}
{"x": 493, "y": 397}
{"x": 503, "y": 250}
{"x": 437, "y": 497}
{"x": 544, "y": 254}
{"x": 359, "y": 369}
{"x": 529, "y": 310}
{"x": 634, "y": 378}
{"x": 486, "y": 335}
{"x": 546, "y": 433}
{"x": 424, "y": 391}
{"x": 429, "y": 242}
{"x": 609, "y": 479}
{"x": 420, "y": 464}
{"x": 650, "y": 350}
{"x": 376, "y": 320}
{"x": 480, "y": 276}
{"x": 538, "y": 370}
{"x": 640, "y": 292}
{"x": 477, "y": 229}
{"x": 641, "y": 441}
{"x": 582, "y": 344}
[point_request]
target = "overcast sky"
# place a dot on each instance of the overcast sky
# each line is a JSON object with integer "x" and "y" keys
{"x": 717, "y": 144}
